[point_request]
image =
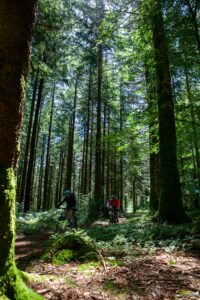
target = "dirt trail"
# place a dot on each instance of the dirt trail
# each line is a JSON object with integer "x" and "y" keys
{"x": 160, "y": 276}
{"x": 29, "y": 246}
{"x": 143, "y": 278}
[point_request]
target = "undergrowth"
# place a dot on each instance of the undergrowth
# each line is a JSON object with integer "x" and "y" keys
{"x": 34, "y": 222}
{"x": 137, "y": 234}
{"x": 70, "y": 246}
{"x": 144, "y": 234}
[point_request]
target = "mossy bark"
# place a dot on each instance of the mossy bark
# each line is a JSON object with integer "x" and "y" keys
{"x": 11, "y": 284}
{"x": 16, "y": 22}
{"x": 171, "y": 206}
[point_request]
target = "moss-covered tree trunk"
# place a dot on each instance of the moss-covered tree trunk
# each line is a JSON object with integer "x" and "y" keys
{"x": 16, "y": 22}
{"x": 171, "y": 206}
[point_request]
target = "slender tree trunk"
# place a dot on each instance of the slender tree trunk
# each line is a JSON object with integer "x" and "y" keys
{"x": 134, "y": 195}
{"x": 108, "y": 179}
{"x": 91, "y": 149}
{"x": 28, "y": 139}
{"x": 41, "y": 175}
{"x": 57, "y": 197}
{"x": 98, "y": 156}
{"x": 85, "y": 186}
{"x": 46, "y": 176}
{"x": 194, "y": 129}
{"x": 70, "y": 150}
{"x": 83, "y": 166}
{"x": 194, "y": 16}
{"x": 171, "y": 206}
{"x": 16, "y": 22}
{"x": 29, "y": 181}
{"x": 62, "y": 176}
{"x": 153, "y": 143}
{"x": 121, "y": 167}
{"x": 104, "y": 150}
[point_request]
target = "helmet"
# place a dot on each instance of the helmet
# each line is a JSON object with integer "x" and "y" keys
{"x": 66, "y": 191}
{"x": 113, "y": 196}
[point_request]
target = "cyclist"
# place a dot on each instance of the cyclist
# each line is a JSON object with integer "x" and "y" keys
{"x": 70, "y": 208}
{"x": 114, "y": 206}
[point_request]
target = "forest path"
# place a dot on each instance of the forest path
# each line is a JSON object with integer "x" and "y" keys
{"x": 167, "y": 275}
{"x": 29, "y": 246}
{"x": 160, "y": 276}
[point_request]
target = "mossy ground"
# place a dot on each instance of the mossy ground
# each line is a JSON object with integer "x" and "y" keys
{"x": 71, "y": 246}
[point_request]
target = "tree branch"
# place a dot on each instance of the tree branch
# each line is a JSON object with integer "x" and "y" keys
{"x": 186, "y": 121}
{"x": 47, "y": 26}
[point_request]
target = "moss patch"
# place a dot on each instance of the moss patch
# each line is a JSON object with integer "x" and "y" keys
{"x": 11, "y": 282}
{"x": 88, "y": 266}
{"x": 111, "y": 286}
{"x": 71, "y": 246}
{"x": 63, "y": 256}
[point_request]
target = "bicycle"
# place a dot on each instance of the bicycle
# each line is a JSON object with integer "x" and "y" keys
{"x": 67, "y": 220}
{"x": 113, "y": 216}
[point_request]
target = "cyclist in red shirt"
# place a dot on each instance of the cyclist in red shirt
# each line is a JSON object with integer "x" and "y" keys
{"x": 114, "y": 206}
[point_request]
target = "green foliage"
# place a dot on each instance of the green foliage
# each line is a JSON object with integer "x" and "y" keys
{"x": 88, "y": 266}
{"x": 71, "y": 246}
{"x": 63, "y": 256}
{"x": 118, "y": 239}
{"x": 34, "y": 222}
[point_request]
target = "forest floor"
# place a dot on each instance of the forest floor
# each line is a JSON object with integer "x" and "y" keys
{"x": 162, "y": 274}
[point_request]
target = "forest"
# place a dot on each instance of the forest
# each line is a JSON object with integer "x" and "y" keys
{"x": 99, "y": 149}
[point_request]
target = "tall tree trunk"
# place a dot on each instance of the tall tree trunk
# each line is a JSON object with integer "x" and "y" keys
{"x": 16, "y": 22}
{"x": 134, "y": 195}
{"x": 29, "y": 181}
{"x": 171, "y": 206}
{"x": 41, "y": 177}
{"x": 194, "y": 129}
{"x": 108, "y": 160}
{"x": 104, "y": 150}
{"x": 62, "y": 166}
{"x": 91, "y": 149}
{"x": 70, "y": 149}
{"x": 85, "y": 185}
{"x": 121, "y": 167}
{"x": 58, "y": 183}
{"x": 28, "y": 139}
{"x": 46, "y": 176}
{"x": 194, "y": 16}
{"x": 98, "y": 154}
{"x": 83, "y": 166}
{"x": 153, "y": 141}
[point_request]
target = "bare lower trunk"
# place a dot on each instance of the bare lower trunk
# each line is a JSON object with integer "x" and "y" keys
{"x": 171, "y": 206}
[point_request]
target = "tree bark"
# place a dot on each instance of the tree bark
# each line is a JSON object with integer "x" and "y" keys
{"x": 171, "y": 206}
{"x": 153, "y": 142}
{"x": 16, "y": 22}
{"x": 98, "y": 154}
{"x": 121, "y": 167}
{"x": 28, "y": 139}
{"x": 46, "y": 176}
{"x": 29, "y": 181}
{"x": 86, "y": 184}
{"x": 194, "y": 129}
{"x": 70, "y": 149}
{"x": 193, "y": 13}
{"x": 41, "y": 175}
